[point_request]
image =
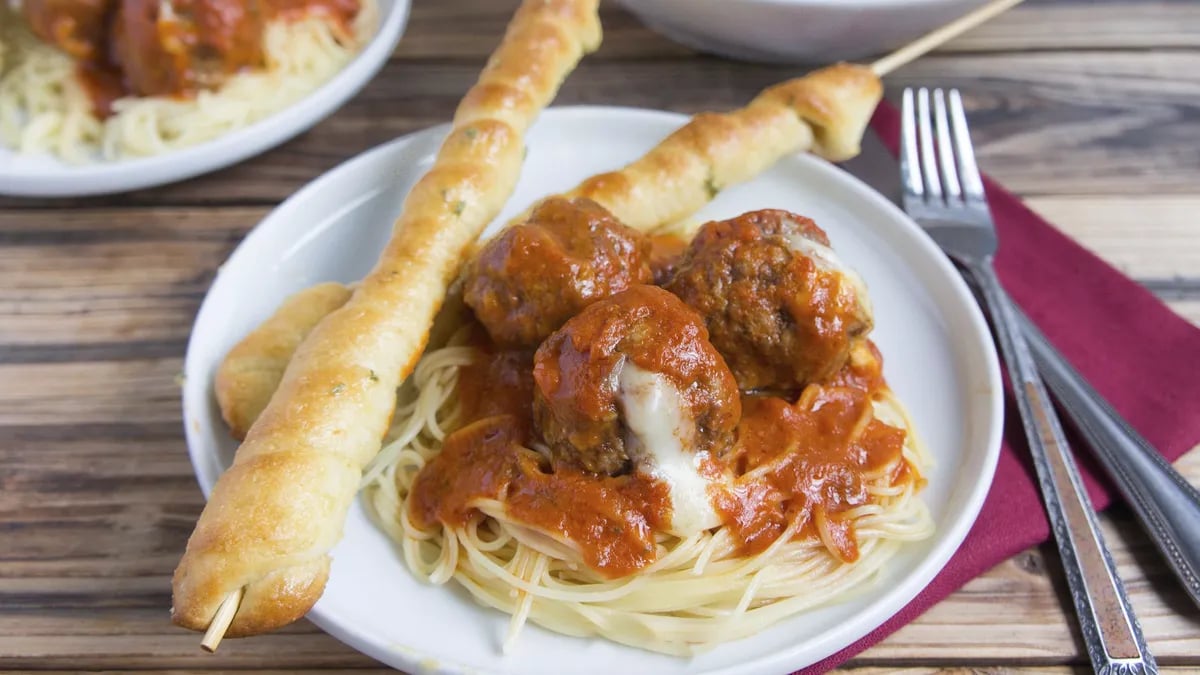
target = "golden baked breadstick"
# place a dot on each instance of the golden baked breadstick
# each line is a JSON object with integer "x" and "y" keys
{"x": 251, "y": 371}
{"x": 275, "y": 514}
{"x": 825, "y": 112}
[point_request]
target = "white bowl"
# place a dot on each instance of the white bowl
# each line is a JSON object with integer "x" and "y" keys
{"x": 797, "y": 31}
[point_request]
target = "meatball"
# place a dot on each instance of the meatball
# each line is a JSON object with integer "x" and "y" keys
{"x": 524, "y": 284}
{"x": 779, "y": 305}
{"x": 182, "y": 46}
{"x": 75, "y": 26}
{"x": 641, "y": 347}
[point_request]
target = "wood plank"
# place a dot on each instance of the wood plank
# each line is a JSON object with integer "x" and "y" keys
{"x": 106, "y": 284}
{"x": 1188, "y": 309}
{"x": 135, "y": 391}
{"x": 1096, "y": 123}
{"x": 1148, "y": 237}
{"x": 178, "y": 650}
{"x": 469, "y": 30}
{"x": 1075, "y": 123}
{"x": 1080, "y": 26}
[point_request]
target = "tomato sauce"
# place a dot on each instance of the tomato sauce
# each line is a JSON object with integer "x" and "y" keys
{"x": 611, "y": 520}
{"x": 666, "y": 251}
{"x": 102, "y": 84}
{"x": 497, "y": 383}
{"x": 808, "y": 460}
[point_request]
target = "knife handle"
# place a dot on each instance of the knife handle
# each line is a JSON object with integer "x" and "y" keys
{"x": 1167, "y": 505}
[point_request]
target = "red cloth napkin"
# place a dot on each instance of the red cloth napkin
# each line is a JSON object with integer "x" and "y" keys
{"x": 1135, "y": 351}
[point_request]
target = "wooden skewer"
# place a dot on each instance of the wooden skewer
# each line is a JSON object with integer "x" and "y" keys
{"x": 222, "y": 619}
{"x": 940, "y": 36}
{"x": 916, "y": 48}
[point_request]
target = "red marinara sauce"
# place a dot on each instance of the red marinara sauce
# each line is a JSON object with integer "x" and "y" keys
{"x": 666, "y": 251}
{"x": 611, "y": 521}
{"x": 812, "y": 460}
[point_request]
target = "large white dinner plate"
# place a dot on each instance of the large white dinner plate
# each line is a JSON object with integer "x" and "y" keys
{"x": 937, "y": 353}
{"x": 44, "y": 175}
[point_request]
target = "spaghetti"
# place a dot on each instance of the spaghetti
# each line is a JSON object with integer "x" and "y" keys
{"x": 699, "y": 590}
{"x": 45, "y": 107}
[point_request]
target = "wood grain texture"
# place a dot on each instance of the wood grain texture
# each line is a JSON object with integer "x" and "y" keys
{"x": 1132, "y": 232}
{"x": 1088, "y": 109}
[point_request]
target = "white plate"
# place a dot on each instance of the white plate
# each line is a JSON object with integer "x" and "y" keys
{"x": 45, "y": 176}
{"x": 937, "y": 354}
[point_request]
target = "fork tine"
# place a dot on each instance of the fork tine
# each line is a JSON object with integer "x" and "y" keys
{"x": 933, "y": 183}
{"x": 972, "y": 182}
{"x": 910, "y": 164}
{"x": 944, "y": 146}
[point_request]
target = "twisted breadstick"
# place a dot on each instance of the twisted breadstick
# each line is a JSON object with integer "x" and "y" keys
{"x": 825, "y": 112}
{"x": 275, "y": 514}
{"x": 251, "y": 371}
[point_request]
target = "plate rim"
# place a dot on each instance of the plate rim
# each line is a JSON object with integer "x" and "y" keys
{"x": 898, "y": 597}
{"x": 228, "y": 149}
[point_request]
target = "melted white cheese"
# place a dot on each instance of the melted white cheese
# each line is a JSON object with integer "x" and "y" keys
{"x": 661, "y": 441}
{"x": 828, "y": 261}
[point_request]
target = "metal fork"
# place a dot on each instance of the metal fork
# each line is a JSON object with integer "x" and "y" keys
{"x": 943, "y": 192}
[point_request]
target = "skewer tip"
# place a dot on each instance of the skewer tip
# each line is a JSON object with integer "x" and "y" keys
{"x": 221, "y": 620}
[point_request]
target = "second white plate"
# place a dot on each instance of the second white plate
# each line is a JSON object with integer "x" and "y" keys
{"x": 43, "y": 175}
{"x": 938, "y": 357}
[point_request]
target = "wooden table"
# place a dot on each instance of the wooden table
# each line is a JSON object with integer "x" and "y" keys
{"x": 1088, "y": 110}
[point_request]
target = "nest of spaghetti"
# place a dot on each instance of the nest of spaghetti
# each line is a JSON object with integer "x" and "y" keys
{"x": 669, "y": 441}
{"x": 88, "y": 80}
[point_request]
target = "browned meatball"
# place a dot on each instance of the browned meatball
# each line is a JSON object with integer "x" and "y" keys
{"x": 186, "y": 45}
{"x": 779, "y": 307}
{"x": 534, "y": 276}
{"x": 77, "y": 27}
{"x": 579, "y": 374}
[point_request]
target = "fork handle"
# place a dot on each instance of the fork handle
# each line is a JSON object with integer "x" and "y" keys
{"x": 1111, "y": 633}
{"x": 1168, "y": 506}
